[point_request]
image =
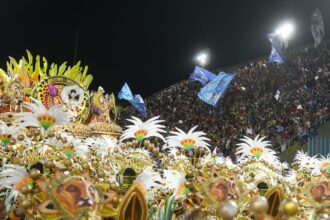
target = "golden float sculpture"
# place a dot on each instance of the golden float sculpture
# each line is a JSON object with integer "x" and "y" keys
{"x": 64, "y": 157}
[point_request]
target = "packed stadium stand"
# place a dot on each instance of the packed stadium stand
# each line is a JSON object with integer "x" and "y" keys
{"x": 285, "y": 102}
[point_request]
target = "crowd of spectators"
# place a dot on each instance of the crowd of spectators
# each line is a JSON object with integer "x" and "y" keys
{"x": 280, "y": 101}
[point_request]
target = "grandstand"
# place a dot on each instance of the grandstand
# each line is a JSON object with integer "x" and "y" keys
{"x": 301, "y": 107}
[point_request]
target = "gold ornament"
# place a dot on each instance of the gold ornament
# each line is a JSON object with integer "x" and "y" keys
{"x": 101, "y": 173}
{"x": 290, "y": 207}
{"x": 50, "y": 164}
{"x": 20, "y": 137}
{"x": 228, "y": 210}
{"x": 34, "y": 173}
{"x": 26, "y": 204}
{"x": 259, "y": 205}
{"x": 24, "y": 189}
{"x": 29, "y": 134}
{"x": 67, "y": 163}
{"x": 85, "y": 166}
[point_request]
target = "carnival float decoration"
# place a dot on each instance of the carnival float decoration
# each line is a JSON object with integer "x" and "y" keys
{"x": 64, "y": 157}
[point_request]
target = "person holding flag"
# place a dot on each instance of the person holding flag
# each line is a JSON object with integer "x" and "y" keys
{"x": 136, "y": 100}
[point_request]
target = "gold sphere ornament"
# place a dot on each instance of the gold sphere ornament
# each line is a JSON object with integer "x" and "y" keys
{"x": 64, "y": 140}
{"x": 101, "y": 173}
{"x": 34, "y": 173}
{"x": 12, "y": 141}
{"x": 189, "y": 174}
{"x": 24, "y": 189}
{"x": 189, "y": 184}
{"x": 114, "y": 187}
{"x": 228, "y": 210}
{"x": 209, "y": 165}
{"x": 198, "y": 166}
{"x": 235, "y": 170}
{"x": 290, "y": 207}
{"x": 58, "y": 137}
{"x": 85, "y": 166}
{"x": 29, "y": 134}
{"x": 259, "y": 205}
{"x": 67, "y": 163}
{"x": 50, "y": 164}
{"x": 26, "y": 204}
{"x": 20, "y": 137}
{"x": 255, "y": 191}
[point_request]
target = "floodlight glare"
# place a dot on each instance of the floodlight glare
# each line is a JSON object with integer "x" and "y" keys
{"x": 285, "y": 31}
{"x": 202, "y": 59}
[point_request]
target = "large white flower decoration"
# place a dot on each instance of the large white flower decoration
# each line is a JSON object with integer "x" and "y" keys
{"x": 188, "y": 140}
{"x": 304, "y": 161}
{"x": 40, "y": 116}
{"x": 141, "y": 130}
{"x": 257, "y": 148}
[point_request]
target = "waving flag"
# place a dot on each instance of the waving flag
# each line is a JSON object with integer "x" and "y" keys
{"x": 202, "y": 75}
{"x": 317, "y": 27}
{"x": 136, "y": 100}
{"x": 276, "y": 55}
{"x": 214, "y": 90}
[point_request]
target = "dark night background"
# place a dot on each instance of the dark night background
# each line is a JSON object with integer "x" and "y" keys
{"x": 149, "y": 44}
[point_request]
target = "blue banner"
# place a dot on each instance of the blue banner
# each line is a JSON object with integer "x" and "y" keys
{"x": 202, "y": 75}
{"x": 136, "y": 100}
{"x": 214, "y": 90}
{"x": 276, "y": 55}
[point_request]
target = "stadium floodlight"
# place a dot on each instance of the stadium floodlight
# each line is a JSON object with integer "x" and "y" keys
{"x": 202, "y": 59}
{"x": 285, "y": 31}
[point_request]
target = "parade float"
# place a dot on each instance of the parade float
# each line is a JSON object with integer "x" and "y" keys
{"x": 64, "y": 157}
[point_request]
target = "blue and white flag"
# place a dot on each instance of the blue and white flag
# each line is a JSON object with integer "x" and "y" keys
{"x": 202, "y": 75}
{"x": 136, "y": 100}
{"x": 317, "y": 27}
{"x": 214, "y": 90}
{"x": 276, "y": 55}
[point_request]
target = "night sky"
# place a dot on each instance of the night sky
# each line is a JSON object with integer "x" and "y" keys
{"x": 149, "y": 44}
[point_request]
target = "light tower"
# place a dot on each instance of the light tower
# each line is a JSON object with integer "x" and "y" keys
{"x": 202, "y": 59}
{"x": 285, "y": 33}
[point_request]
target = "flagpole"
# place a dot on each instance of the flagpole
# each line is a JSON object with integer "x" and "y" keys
{"x": 76, "y": 46}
